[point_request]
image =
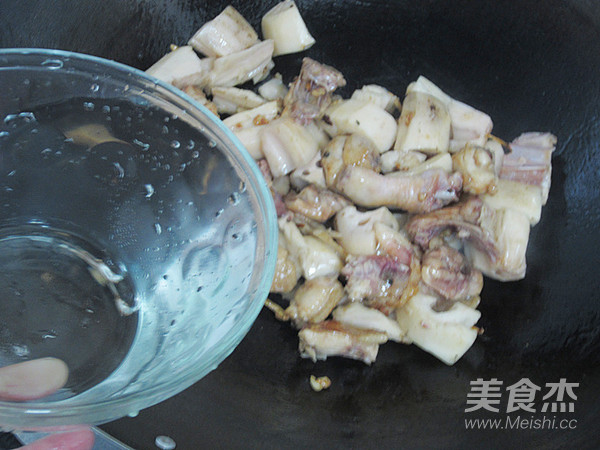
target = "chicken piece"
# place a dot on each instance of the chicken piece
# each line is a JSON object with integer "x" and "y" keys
{"x": 316, "y": 257}
{"x": 252, "y": 63}
{"x": 530, "y": 161}
{"x": 344, "y": 151}
{"x": 424, "y": 125}
{"x": 384, "y": 281}
{"x": 461, "y": 219}
{"x": 283, "y": 23}
{"x": 360, "y": 316}
{"x": 447, "y": 334}
{"x": 476, "y": 164}
{"x": 317, "y": 204}
{"x": 467, "y": 124}
{"x": 377, "y": 280}
{"x": 356, "y": 229}
{"x": 314, "y": 300}
{"x": 364, "y": 118}
{"x": 396, "y": 160}
{"x": 495, "y": 240}
{"x": 442, "y": 161}
{"x": 419, "y": 193}
{"x": 287, "y": 270}
{"x": 227, "y": 33}
{"x": 331, "y": 338}
{"x": 310, "y": 94}
{"x": 265, "y": 170}
{"x": 182, "y": 67}
{"x": 447, "y": 272}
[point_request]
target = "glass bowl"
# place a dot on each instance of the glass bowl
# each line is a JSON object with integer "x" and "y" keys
{"x": 138, "y": 238}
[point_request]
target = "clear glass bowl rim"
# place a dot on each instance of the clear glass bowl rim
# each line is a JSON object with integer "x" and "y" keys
{"x": 35, "y": 416}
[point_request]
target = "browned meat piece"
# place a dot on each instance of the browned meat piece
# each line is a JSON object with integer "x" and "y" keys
{"x": 495, "y": 241}
{"x": 314, "y": 300}
{"x": 331, "y": 338}
{"x": 447, "y": 272}
{"x": 461, "y": 219}
{"x": 280, "y": 207}
{"x": 310, "y": 94}
{"x": 418, "y": 193}
{"x": 317, "y": 204}
{"x": 378, "y": 280}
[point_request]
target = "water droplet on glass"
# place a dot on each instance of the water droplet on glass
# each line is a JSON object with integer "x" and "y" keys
{"x": 141, "y": 144}
{"x": 133, "y": 414}
{"x": 53, "y": 64}
{"x": 212, "y": 144}
{"x": 165, "y": 129}
{"x": 106, "y": 109}
{"x": 88, "y": 106}
{"x": 234, "y": 198}
{"x": 199, "y": 289}
{"x": 120, "y": 170}
{"x": 149, "y": 190}
{"x": 219, "y": 212}
{"x": 49, "y": 334}
{"x": 11, "y": 173}
{"x": 94, "y": 87}
{"x": 157, "y": 228}
{"x": 175, "y": 144}
{"x": 4, "y": 134}
{"x": 242, "y": 187}
{"x": 165, "y": 443}
{"x": 190, "y": 145}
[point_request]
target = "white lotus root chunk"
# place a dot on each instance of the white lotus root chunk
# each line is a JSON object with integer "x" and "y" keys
{"x": 182, "y": 67}
{"x": 365, "y": 119}
{"x": 468, "y": 125}
{"x": 284, "y": 24}
{"x": 447, "y": 335}
{"x": 227, "y": 33}
{"x": 379, "y": 96}
{"x": 356, "y": 229}
{"x": 252, "y": 63}
{"x": 424, "y": 125}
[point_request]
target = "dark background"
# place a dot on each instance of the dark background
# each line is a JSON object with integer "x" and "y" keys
{"x": 533, "y": 66}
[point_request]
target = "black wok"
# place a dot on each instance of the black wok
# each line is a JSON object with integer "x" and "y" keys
{"x": 531, "y": 65}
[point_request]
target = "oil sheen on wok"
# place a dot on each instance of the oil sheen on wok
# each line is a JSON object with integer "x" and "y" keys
{"x": 98, "y": 198}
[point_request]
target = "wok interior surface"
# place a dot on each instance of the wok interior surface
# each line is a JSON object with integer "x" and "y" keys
{"x": 531, "y": 66}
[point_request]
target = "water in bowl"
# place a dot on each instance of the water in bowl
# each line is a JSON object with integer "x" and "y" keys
{"x": 107, "y": 240}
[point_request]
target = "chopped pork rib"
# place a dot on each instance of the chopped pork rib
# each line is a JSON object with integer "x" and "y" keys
{"x": 530, "y": 160}
{"x": 314, "y": 300}
{"x": 310, "y": 94}
{"x": 265, "y": 170}
{"x": 331, "y": 338}
{"x": 419, "y": 193}
{"x": 317, "y": 204}
{"x": 495, "y": 240}
{"x": 461, "y": 219}
{"x": 447, "y": 272}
